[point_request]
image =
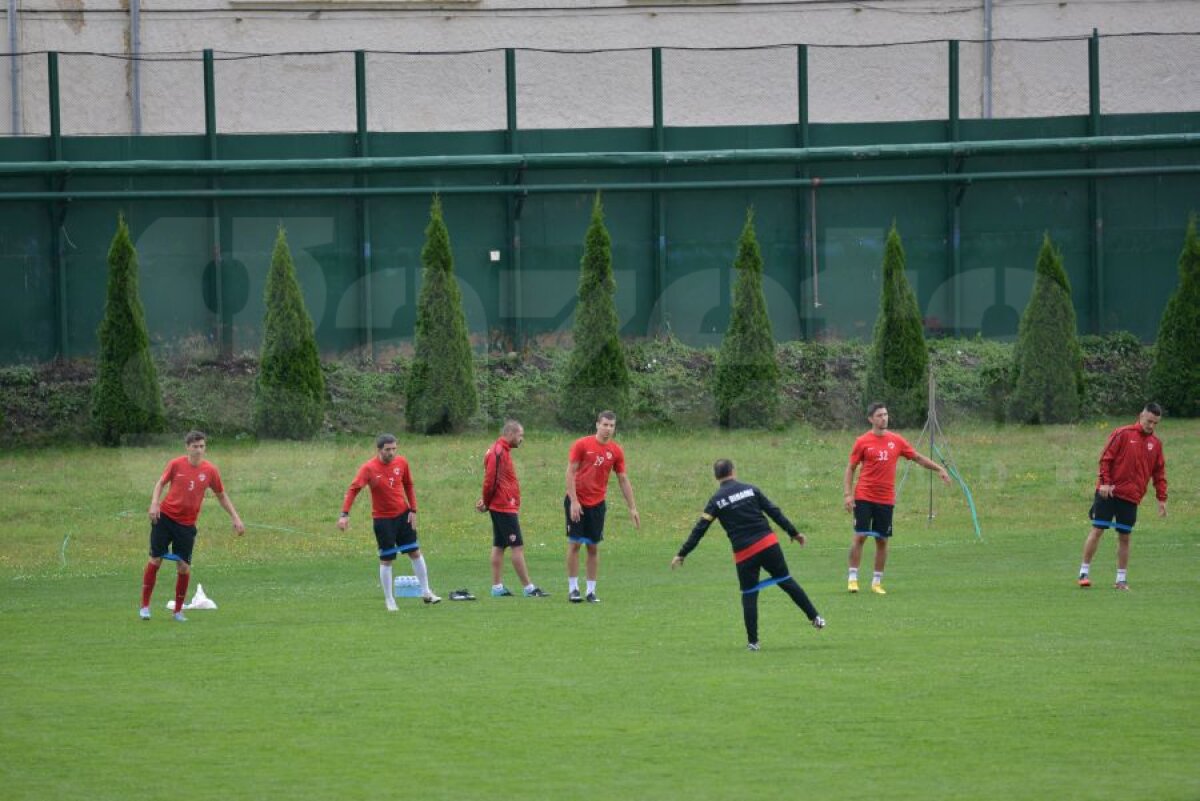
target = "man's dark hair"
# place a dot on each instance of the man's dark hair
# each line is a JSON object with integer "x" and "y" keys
{"x": 722, "y": 468}
{"x": 384, "y": 439}
{"x": 607, "y": 414}
{"x": 1153, "y": 408}
{"x": 194, "y": 436}
{"x": 874, "y": 407}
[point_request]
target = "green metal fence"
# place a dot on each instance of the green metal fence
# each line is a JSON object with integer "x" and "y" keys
{"x": 972, "y": 198}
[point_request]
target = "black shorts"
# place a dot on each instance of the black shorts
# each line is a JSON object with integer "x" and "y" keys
{"x": 771, "y": 560}
{"x": 590, "y": 528}
{"x": 169, "y": 535}
{"x": 394, "y": 535}
{"x": 506, "y": 530}
{"x": 873, "y": 519}
{"x": 1113, "y": 512}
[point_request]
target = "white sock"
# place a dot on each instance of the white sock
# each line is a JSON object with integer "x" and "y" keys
{"x": 853, "y": 574}
{"x": 1120, "y": 575}
{"x": 877, "y": 577}
{"x": 591, "y": 588}
{"x": 1084, "y": 569}
{"x": 499, "y": 586}
{"x": 530, "y": 587}
{"x": 422, "y": 574}
{"x": 573, "y": 583}
{"x": 385, "y": 579}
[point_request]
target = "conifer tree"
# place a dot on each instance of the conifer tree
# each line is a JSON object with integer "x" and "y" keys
{"x": 597, "y": 374}
{"x": 289, "y": 396}
{"x": 897, "y": 369}
{"x": 747, "y": 375}
{"x": 1175, "y": 376}
{"x": 126, "y": 399}
{"x": 1048, "y": 360}
{"x": 441, "y": 393}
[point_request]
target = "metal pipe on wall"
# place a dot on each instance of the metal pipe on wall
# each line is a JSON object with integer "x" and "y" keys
{"x": 627, "y": 159}
{"x": 135, "y": 77}
{"x": 987, "y": 59}
{"x": 14, "y": 70}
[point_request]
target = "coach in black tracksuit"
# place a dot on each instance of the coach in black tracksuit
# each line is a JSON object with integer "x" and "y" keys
{"x": 743, "y": 511}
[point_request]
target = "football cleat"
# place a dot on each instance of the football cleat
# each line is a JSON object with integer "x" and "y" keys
{"x": 536, "y": 592}
{"x": 464, "y": 595}
{"x": 1121, "y": 585}
{"x": 179, "y": 618}
{"x": 501, "y": 592}
{"x": 144, "y": 613}
{"x": 878, "y": 589}
{"x": 592, "y": 599}
{"x": 431, "y": 599}
{"x": 852, "y": 585}
{"x": 818, "y": 622}
{"x": 574, "y": 597}
{"x": 751, "y": 646}
{"x": 1085, "y": 582}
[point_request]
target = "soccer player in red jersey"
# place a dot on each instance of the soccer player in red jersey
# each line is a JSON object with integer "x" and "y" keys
{"x": 873, "y": 499}
{"x": 173, "y": 519}
{"x": 589, "y": 464}
{"x": 394, "y": 514}
{"x": 501, "y": 498}
{"x": 1131, "y": 458}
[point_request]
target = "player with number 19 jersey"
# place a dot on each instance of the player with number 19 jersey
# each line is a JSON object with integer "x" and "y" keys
{"x": 391, "y": 488}
{"x": 596, "y": 462}
{"x": 878, "y": 455}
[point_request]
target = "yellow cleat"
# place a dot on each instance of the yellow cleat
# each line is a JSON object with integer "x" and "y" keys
{"x": 852, "y": 585}
{"x": 878, "y": 589}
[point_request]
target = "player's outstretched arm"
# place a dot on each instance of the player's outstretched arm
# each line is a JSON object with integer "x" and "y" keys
{"x": 627, "y": 491}
{"x": 227, "y": 505}
{"x": 848, "y": 487}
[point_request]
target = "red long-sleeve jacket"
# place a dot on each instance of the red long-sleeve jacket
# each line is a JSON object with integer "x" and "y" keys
{"x": 1130, "y": 459}
{"x": 501, "y": 490}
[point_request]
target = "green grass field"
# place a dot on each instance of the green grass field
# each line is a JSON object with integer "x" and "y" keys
{"x": 984, "y": 674}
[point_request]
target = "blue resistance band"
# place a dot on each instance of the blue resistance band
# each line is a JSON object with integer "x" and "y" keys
{"x": 399, "y": 549}
{"x": 762, "y": 585}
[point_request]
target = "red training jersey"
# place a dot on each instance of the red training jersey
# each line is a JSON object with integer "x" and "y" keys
{"x": 1130, "y": 459}
{"x": 188, "y": 484}
{"x": 878, "y": 455}
{"x": 595, "y": 462}
{"x": 501, "y": 490}
{"x": 391, "y": 487}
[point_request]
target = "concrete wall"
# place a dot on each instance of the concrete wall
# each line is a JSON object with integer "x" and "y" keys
{"x": 446, "y": 89}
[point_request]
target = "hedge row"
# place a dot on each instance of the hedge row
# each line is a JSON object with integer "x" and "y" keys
{"x": 671, "y": 386}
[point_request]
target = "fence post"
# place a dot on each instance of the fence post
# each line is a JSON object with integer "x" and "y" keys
{"x": 215, "y": 234}
{"x": 58, "y": 211}
{"x": 954, "y": 196}
{"x": 1095, "y": 208}
{"x": 515, "y": 203}
{"x": 808, "y": 244}
{"x": 658, "y": 228}
{"x": 362, "y": 207}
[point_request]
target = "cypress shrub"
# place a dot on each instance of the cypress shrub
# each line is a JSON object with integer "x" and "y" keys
{"x": 126, "y": 398}
{"x": 289, "y": 396}
{"x": 441, "y": 393}
{"x": 597, "y": 376}
{"x": 1175, "y": 376}
{"x": 897, "y": 371}
{"x": 747, "y": 376}
{"x": 1047, "y": 359}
